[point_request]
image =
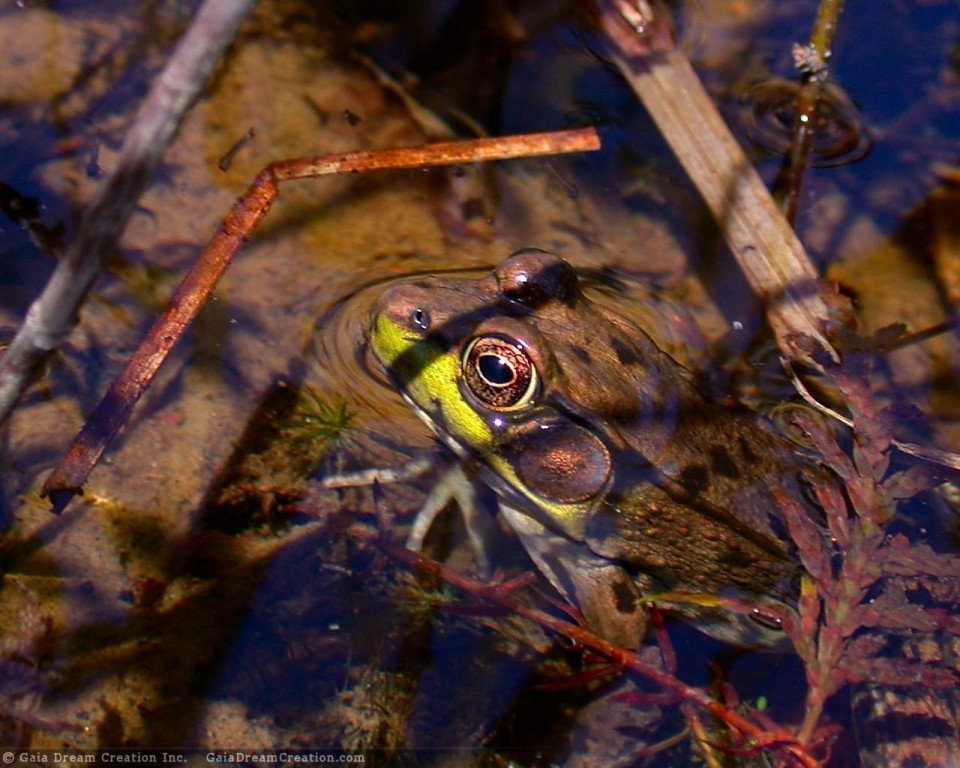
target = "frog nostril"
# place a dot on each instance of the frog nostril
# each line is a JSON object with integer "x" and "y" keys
{"x": 420, "y": 319}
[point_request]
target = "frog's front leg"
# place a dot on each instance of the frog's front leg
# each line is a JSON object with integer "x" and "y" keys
{"x": 453, "y": 485}
{"x": 606, "y": 594}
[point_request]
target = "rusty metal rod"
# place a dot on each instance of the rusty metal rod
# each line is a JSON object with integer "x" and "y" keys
{"x": 73, "y": 469}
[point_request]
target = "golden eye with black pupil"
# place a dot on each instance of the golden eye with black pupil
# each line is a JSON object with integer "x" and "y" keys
{"x": 499, "y": 372}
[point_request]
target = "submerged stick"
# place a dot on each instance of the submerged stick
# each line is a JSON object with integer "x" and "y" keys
{"x": 53, "y": 314}
{"x": 811, "y": 61}
{"x": 73, "y": 469}
{"x": 768, "y": 251}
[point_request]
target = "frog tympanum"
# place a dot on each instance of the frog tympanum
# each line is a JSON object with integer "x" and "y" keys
{"x": 618, "y": 476}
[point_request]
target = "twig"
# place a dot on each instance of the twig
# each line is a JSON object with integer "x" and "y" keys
{"x": 112, "y": 412}
{"x": 773, "y": 260}
{"x": 227, "y": 160}
{"x": 811, "y": 61}
{"x": 917, "y": 337}
{"x": 412, "y": 469}
{"x": 53, "y": 315}
{"x": 444, "y": 153}
{"x": 826, "y": 24}
{"x": 700, "y": 736}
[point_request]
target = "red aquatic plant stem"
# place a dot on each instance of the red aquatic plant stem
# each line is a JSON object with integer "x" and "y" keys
{"x": 501, "y": 596}
{"x": 73, "y": 469}
{"x": 53, "y": 314}
{"x": 667, "y": 653}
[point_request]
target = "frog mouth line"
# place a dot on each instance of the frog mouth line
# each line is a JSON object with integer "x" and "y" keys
{"x": 370, "y": 364}
{"x": 461, "y": 451}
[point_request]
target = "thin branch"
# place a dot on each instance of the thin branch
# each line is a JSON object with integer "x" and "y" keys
{"x": 811, "y": 61}
{"x": 443, "y": 153}
{"x": 53, "y": 315}
{"x": 824, "y": 27}
{"x": 112, "y": 412}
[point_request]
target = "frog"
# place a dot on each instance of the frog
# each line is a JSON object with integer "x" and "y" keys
{"x": 618, "y": 474}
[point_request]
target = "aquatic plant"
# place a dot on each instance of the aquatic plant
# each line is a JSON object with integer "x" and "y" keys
{"x": 318, "y": 421}
{"x": 864, "y": 584}
{"x": 23, "y": 680}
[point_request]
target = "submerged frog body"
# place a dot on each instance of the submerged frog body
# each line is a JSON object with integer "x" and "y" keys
{"x": 617, "y": 474}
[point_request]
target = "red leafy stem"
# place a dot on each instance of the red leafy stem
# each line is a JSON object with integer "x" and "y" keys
{"x": 831, "y": 607}
{"x": 779, "y": 740}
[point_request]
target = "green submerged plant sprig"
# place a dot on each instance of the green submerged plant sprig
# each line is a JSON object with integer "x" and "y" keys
{"x": 320, "y": 422}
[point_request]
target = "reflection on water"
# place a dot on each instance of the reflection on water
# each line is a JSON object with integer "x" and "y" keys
{"x": 204, "y": 591}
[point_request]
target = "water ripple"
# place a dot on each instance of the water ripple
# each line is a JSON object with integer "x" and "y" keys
{"x": 839, "y": 136}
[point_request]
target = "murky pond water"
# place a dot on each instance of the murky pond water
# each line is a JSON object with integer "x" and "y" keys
{"x": 211, "y": 590}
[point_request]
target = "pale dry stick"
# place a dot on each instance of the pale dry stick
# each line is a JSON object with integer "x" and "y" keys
{"x": 73, "y": 469}
{"x": 364, "y": 478}
{"x": 53, "y": 314}
{"x": 768, "y": 251}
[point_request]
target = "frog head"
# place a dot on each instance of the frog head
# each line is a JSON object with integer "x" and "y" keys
{"x": 581, "y": 422}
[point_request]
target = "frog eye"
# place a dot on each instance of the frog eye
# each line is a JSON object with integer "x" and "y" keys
{"x": 499, "y": 372}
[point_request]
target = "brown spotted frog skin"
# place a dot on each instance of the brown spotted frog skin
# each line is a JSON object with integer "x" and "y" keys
{"x": 618, "y": 475}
